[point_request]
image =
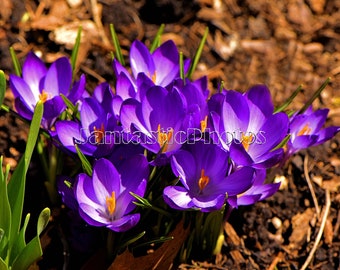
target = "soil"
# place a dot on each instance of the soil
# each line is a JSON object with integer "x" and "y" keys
{"x": 279, "y": 43}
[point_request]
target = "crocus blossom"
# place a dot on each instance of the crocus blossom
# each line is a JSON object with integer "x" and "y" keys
{"x": 248, "y": 128}
{"x": 158, "y": 68}
{"x": 306, "y": 130}
{"x": 258, "y": 191}
{"x": 156, "y": 122}
{"x": 94, "y": 133}
{"x": 207, "y": 178}
{"x": 105, "y": 200}
{"x": 46, "y": 84}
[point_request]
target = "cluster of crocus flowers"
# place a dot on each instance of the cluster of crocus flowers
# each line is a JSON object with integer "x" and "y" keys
{"x": 218, "y": 146}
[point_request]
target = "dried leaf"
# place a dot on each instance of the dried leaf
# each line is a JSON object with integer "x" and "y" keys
{"x": 300, "y": 224}
{"x": 163, "y": 256}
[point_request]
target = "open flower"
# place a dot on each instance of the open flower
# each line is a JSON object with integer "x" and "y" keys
{"x": 257, "y": 192}
{"x": 46, "y": 84}
{"x": 158, "y": 68}
{"x": 306, "y": 130}
{"x": 105, "y": 199}
{"x": 206, "y": 178}
{"x": 96, "y": 132}
{"x": 245, "y": 125}
{"x": 157, "y": 121}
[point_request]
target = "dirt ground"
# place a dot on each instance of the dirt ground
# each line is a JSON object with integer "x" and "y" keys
{"x": 279, "y": 43}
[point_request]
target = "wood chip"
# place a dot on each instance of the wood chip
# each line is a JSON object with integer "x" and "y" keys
{"x": 300, "y": 224}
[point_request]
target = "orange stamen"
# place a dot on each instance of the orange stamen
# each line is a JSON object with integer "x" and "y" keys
{"x": 111, "y": 203}
{"x": 204, "y": 123}
{"x": 43, "y": 96}
{"x": 99, "y": 133}
{"x": 163, "y": 138}
{"x": 306, "y": 130}
{"x": 203, "y": 181}
{"x": 246, "y": 140}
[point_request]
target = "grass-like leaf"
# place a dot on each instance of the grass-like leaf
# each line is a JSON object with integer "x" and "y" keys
{"x": 84, "y": 161}
{"x": 116, "y": 44}
{"x": 198, "y": 54}
{"x": 157, "y": 40}
{"x": 289, "y": 100}
{"x": 2, "y": 86}
{"x": 315, "y": 95}
{"x": 75, "y": 50}
{"x": 16, "y": 187}
{"x": 16, "y": 63}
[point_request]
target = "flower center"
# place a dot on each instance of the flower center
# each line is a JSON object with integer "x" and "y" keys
{"x": 306, "y": 130}
{"x": 203, "y": 181}
{"x": 204, "y": 123}
{"x": 247, "y": 140}
{"x": 111, "y": 203}
{"x": 153, "y": 77}
{"x": 163, "y": 138}
{"x": 43, "y": 96}
{"x": 99, "y": 133}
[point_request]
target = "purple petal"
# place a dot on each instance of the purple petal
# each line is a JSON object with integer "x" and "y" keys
{"x": 33, "y": 71}
{"x": 22, "y": 90}
{"x": 235, "y": 113}
{"x": 141, "y": 59}
{"x": 124, "y": 87}
{"x": 177, "y": 198}
{"x": 238, "y": 182}
{"x": 78, "y": 89}
{"x": 239, "y": 155}
{"x": 166, "y": 59}
{"x": 59, "y": 77}
{"x": 260, "y": 96}
{"x": 273, "y": 131}
{"x": 327, "y": 134}
{"x": 209, "y": 203}
{"x": 92, "y": 115}
{"x": 90, "y": 214}
{"x": 125, "y": 223}
{"x": 183, "y": 166}
{"x": 106, "y": 180}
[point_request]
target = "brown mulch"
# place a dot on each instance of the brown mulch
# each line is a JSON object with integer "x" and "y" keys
{"x": 279, "y": 43}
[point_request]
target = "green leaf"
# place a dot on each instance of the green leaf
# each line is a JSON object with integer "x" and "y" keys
{"x": 289, "y": 100}
{"x": 84, "y": 161}
{"x": 5, "y": 213}
{"x": 315, "y": 95}
{"x": 19, "y": 242}
{"x": 72, "y": 107}
{"x": 16, "y": 63}
{"x": 117, "y": 45}
{"x": 16, "y": 185}
{"x": 33, "y": 250}
{"x": 2, "y": 86}
{"x": 157, "y": 40}
{"x": 75, "y": 50}
{"x": 198, "y": 53}
{"x": 3, "y": 265}
{"x": 181, "y": 66}
{"x": 43, "y": 220}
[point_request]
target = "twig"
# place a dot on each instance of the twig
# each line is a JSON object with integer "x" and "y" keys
{"x": 96, "y": 13}
{"x": 322, "y": 226}
{"x": 310, "y": 185}
{"x": 276, "y": 260}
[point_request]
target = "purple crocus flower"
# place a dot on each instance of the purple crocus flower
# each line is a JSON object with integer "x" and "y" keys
{"x": 46, "y": 84}
{"x": 156, "y": 122}
{"x": 245, "y": 125}
{"x": 105, "y": 200}
{"x": 207, "y": 178}
{"x": 257, "y": 192}
{"x": 158, "y": 68}
{"x": 306, "y": 130}
{"x": 95, "y": 133}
